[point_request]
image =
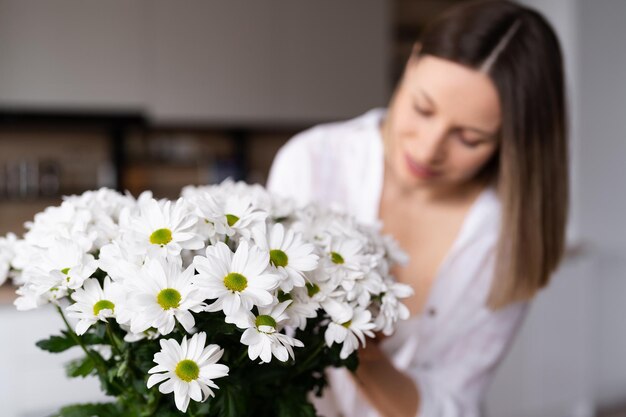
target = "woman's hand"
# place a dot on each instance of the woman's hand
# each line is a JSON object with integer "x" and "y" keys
{"x": 389, "y": 390}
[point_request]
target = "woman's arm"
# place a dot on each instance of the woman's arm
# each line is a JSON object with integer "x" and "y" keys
{"x": 391, "y": 392}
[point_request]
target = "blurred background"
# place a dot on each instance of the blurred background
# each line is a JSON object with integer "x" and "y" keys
{"x": 158, "y": 94}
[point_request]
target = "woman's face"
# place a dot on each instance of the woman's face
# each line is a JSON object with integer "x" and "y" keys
{"x": 442, "y": 124}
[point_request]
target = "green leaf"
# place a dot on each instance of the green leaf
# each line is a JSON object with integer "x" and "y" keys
{"x": 80, "y": 367}
{"x": 90, "y": 410}
{"x": 57, "y": 344}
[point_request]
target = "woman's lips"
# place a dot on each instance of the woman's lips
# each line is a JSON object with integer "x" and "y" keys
{"x": 418, "y": 170}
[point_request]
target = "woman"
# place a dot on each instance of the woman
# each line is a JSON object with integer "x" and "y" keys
{"x": 467, "y": 169}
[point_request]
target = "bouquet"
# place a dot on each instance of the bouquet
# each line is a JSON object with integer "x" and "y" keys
{"x": 229, "y": 301}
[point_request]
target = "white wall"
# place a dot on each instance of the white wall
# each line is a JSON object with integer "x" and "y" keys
{"x": 197, "y": 61}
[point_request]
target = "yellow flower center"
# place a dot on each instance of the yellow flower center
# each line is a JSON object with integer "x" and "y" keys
{"x": 336, "y": 258}
{"x": 231, "y": 219}
{"x": 235, "y": 282}
{"x": 347, "y": 324}
{"x": 278, "y": 258}
{"x": 265, "y": 320}
{"x": 102, "y": 305}
{"x": 312, "y": 289}
{"x": 169, "y": 298}
{"x": 187, "y": 370}
{"x": 161, "y": 237}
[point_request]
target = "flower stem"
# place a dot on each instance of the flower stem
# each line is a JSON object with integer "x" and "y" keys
{"x": 303, "y": 366}
{"x": 113, "y": 340}
{"x": 97, "y": 363}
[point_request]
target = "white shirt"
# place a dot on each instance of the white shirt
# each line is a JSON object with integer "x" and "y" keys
{"x": 452, "y": 351}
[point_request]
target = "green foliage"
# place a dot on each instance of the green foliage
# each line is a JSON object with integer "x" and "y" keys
{"x": 80, "y": 367}
{"x": 252, "y": 389}
{"x": 57, "y": 344}
{"x": 90, "y": 410}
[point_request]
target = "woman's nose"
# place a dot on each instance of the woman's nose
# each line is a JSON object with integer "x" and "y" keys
{"x": 430, "y": 144}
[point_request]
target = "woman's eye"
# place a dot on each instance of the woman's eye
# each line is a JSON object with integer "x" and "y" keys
{"x": 468, "y": 143}
{"x": 422, "y": 111}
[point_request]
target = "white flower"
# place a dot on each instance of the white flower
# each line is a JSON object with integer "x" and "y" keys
{"x": 120, "y": 260}
{"x": 242, "y": 216}
{"x": 263, "y": 336}
{"x": 162, "y": 293}
{"x": 54, "y": 271}
{"x": 288, "y": 254}
{"x": 166, "y": 228}
{"x": 237, "y": 281}
{"x": 302, "y": 306}
{"x": 345, "y": 262}
{"x": 392, "y": 309}
{"x": 94, "y": 303}
{"x": 187, "y": 369}
{"x": 350, "y": 332}
{"x": 212, "y": 220}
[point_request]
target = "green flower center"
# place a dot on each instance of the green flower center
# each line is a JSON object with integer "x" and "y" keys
{"x": 336, "y": 258}
{"x": 169, "y": 298}
{"x": 65, "y": 271}
{"x": 161, "y": 237}
{"x": 347, "y": 324}
{"x": 278, "y": 258}
{"x": 283, "y": 296}
{"x": 235, "y": 282}
{"x": 231, "y": 219}
{"x": 265, "y": 320}
{"x": 312, "y": 289}
{"x": 187, "y": 370}
{"x": 102, "y": 305}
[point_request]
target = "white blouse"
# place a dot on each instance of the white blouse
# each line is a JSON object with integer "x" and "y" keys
{"x": 452, "y": 351}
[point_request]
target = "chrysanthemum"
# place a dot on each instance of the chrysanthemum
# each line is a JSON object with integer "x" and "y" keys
{"x": 345, "y": 262}
{"x": 391, "y": 308}
{"x": 165, "y": 228}
{"x": 187, "y": 369}
{"x": 350, "y": 332}
{"x": 236, "y": 281}
{"x": 288, "y": 254}
{"x": 54, "y": 271}
{"x": 162, "y": 294}
{"x": 92, "y": 303}
{"x": 263, "y": 336}
{"x": 242, "y": 216}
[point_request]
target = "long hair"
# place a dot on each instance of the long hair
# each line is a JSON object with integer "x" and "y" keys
{"x": 517, "y": 48}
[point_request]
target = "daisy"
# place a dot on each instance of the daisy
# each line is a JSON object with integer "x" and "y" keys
{"x": 212, "y": 220}
{"x": 391, "y": 308}
{"x": 187, "y": 369}
{"x": 53, "y": 272}
{"x": 237, "y": 281}
{"x": 350, "y": 332}
{"x": 302, "y": 307}
{"x": 345, "y": 262}
{"x": 263, "y": 336}
{"x": 92, "y": 303}
{"x": 241, "y": 215}
{"x": 162, "y": 295}
{"x": 163, "y": 229}
{"x": 289, "y": 255}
